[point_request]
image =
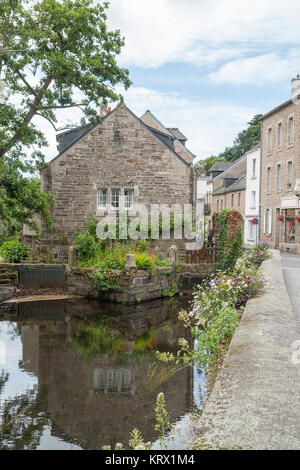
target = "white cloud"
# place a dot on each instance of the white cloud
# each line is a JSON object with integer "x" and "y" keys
{"x": 166, "y": 30}
{"x": 259, "y": 70}
{"x": 210, "y": 126}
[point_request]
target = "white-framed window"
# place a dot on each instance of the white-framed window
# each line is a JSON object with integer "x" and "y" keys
{"x": 278, "y": 177}
{"x": 291, "y": 130}
{"x": 269, "y": 179}
{"x": 268, "y": 222}
{"x": 102, "y": 198}
{"x": 289, "y": 175}
{"x": 125, "y": 379}
{"x": 232, "y": 200}
{"x": 217, "y": 205}
{"x": 251, "y": 230}
{"x": 253, "y": 199}
{"x": 239, "y": 199}
{"x": 115, "y": 198}
{"x": 112, "y": 379}
{"x": 99, "y": 379}
{"x": 128, "y": 198}
{"x": 279, "y": 136}
{"x": 254, "y": 168}
{"x": 270, "y": 140}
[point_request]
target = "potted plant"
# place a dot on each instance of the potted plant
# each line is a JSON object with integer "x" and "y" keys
{"x": 280, "y": 218}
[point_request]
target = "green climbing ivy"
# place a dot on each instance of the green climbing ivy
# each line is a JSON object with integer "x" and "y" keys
{"x": 229, "y": 250}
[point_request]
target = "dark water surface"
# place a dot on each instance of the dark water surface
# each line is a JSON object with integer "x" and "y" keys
{"x": 80, "y": 375}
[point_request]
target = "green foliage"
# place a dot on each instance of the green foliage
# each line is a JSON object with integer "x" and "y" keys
{"x": 96, "y": 340}
{"x": 213, "y": 317}
{"x": 13, "y": 251}
{"x": 244, "y": 140}
{"x": 85, "y": 246}
{"x": 228, "y": 250}
{"x": 50, "y": 51}
{"x": 172, "y": 291}
{"x": 106, "y": 280}
{"x": 222, "y": 240}
{"x": 163, "y": 425}
{"x": 242, "y": 143}
{"x": 144, "y": 261}
{"x": 207, "y": 163}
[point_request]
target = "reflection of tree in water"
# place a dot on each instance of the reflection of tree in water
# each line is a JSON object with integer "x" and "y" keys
{"x": 22, "y": 421}
{"x": 3, "y": 380}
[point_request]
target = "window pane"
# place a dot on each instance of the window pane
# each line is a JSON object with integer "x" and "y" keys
{"x": 278, "y": 182}
{"x": 291, "y": 130}
{"x": 102, "y": 197}
{"x": 279, "y": 142}
{"x": 128, "y": 194}
{"x": 115, "y": 198}
{"x": 112, "y": 379}
{"x": 254, "y": 167}
{"x": 290, "y": 174}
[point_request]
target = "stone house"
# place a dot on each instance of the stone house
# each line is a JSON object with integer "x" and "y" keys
{"x": 280, "y": 177}
{"x": 229, "y": 187}
{"x": 120, "y": 160}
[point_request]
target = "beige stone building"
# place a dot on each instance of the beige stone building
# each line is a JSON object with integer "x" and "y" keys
{"x": 280, "y": 177}
{"x": 229, "y": 187}
{"x": 122, "y": 160}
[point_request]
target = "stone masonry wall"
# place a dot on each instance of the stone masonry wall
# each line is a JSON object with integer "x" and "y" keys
{"x": 271, "y": 199}
{"x": 139, "y": 286}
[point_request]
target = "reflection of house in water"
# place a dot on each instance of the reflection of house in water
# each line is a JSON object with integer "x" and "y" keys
{"x": 98, "y": 400}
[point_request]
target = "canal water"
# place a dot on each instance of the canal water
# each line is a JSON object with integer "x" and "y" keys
{"x": 83, "y": 374}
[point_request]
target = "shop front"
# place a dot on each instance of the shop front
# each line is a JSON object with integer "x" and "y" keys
{"x": 290, "y": 210}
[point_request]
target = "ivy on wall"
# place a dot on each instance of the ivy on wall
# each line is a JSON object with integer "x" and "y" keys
{"x": 229, "y": 249}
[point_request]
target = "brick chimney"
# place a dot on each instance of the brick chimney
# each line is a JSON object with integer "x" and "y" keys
{"x": 104, "y": 110}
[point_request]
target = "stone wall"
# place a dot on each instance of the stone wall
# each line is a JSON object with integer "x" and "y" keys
{"x": 139, "y": 286}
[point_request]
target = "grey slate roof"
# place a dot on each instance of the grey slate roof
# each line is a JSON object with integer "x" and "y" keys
{"x": 74, "y": 135}
{"x": 177, "y": 133}
{"x": 221, "y": 166}
{"x": 275, "y": 110}
{"x": 236, "y": 186}
{"x": 65, "y": 139}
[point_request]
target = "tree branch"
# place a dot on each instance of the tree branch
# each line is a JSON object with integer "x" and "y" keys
{"x": 61, "y": 106}
{"x": 25, "y": 82}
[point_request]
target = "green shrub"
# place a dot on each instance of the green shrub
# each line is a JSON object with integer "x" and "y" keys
{"x": 144, "y": 261}
{"x": 141, "y": 245}
{"x": 13, "y": 251}
{"x": 85, "y": 246}
{"x": 106, "y": 281}
{"x": 112, "y": 259}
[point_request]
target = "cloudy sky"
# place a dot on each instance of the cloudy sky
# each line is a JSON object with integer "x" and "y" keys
{"x": 207, "y": 66}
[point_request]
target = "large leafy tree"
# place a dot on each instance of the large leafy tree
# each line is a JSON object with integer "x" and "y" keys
{"x": 53, "y": 55}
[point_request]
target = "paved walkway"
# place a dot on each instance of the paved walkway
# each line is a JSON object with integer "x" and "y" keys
{"x": 255, "y": 402}
{"x": 291, "y": 274}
